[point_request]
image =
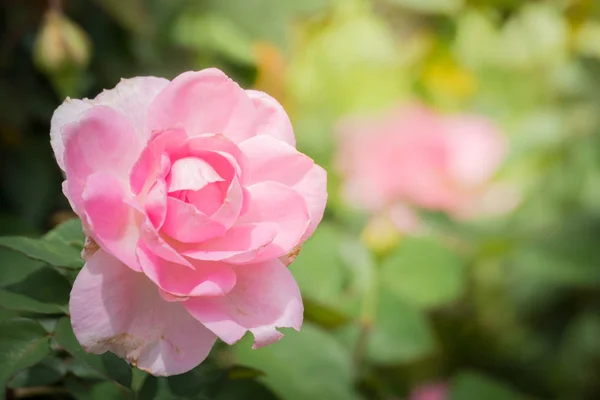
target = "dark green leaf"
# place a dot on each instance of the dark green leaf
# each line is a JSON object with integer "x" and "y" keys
{"x": 107, "y": 364}
{"x": 23, "y": 343}
{"x": 474, "y": 386}
{"x": 313, "y": 354}
{"x": 53, "y": 253}
{"x": 205, "y": 379}
{"x": 45, "y": 285}
{"x": 45, "y": 373}
{"x": 246, "y": 389}
{"x": 15, "y": 266}
{"x": 155, "y": 389}
{"x": 19, "y": 302}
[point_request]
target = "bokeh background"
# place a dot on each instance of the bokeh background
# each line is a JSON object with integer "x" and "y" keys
{"x": 500, "y": 305}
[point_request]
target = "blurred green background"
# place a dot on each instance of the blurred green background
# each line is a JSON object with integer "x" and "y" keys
{"x": 501, "y": 308}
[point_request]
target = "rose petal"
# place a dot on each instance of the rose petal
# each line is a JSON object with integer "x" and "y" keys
{"x": 202, "y": 102}
{"x": 157, "y": 245}
{"x": 205, "y": 279}
{"x": 112, "y": 222}
{"x": 273, "y": 202}
{"x": 265, "y": 158}
{"x": 313, "y": 187}
{"x": 154, "y": 160}
{"x": 155, "y": 205}
{"x": 243, "y": 241}
{"x": 191, "y": 173}
{"x": 68, "y": 112}
{"x": 270, "y": 118}
{"x": 265, "y": 298}
{"x": 131, "y": 97}
{"x": 101, "y": 141}
{"x": 116, "y": 309}
{"x": 219, "y": 144}
{"x": 186, "y": 224}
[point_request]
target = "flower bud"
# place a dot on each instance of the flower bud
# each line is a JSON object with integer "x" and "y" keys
{"x": 61, "y": 44}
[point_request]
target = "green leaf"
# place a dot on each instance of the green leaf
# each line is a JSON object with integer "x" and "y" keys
{"x": 7, "y": 314}
{"x": 107, "y": 364}
{"x": 155, "y": 389}
{"x": 206, "y": 379}
{"x": 48, "y": 372}
{"x": 401, "y": 332}
{"x": 109, "y": 390}
{"x": 322, "y": 315}
{"x": 246, "y": 389}
{"x": 45, "y": 285}
{"x": 334, "y": 272}
{"x": 310, "y": 364}
{"x": 424, "y": 273}
{"x": 53, "y": 253}
{"x": 23, "y": 343}
{"x": 474, "y": 386}
{"x": 15, "y": 266}
{"x": 85, "y": 390}
{"x": 19, "y": 302}
{"x": 68, "y": 232}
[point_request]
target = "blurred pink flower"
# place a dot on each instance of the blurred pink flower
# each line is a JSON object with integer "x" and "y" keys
{"x": 431, "y": 391}
{"x": 194, "y": 199}
{"x": 414, "y": 157}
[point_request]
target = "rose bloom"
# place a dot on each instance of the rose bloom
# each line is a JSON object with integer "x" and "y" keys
{"x": 411, "y": 157}
{"x": 431, "y": 391}
{"x": 194, "y": 199}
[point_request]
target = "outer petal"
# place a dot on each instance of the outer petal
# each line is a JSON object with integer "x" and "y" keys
{"x": 313, "y": 187}
{"x": 265, "y": 158}
{"x": 102, "y": 141}
{"x": 112, "y": 222}
{"x": 272, "y": 202}
{"x": 203, "y": 102}
{"x": 116, "y": 309}
{"x": 68, "y": 112}
{"x": 205, "y": 279}
{"x": 270, "y": 118}
{"x": 131, "y": 97}
{"x": 264, "y": 298}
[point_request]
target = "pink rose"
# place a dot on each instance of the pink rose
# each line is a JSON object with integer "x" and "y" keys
{"x": 412, "y": 156}
{"x": 197, "y": 198}
{"x": 431, "y": 391}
